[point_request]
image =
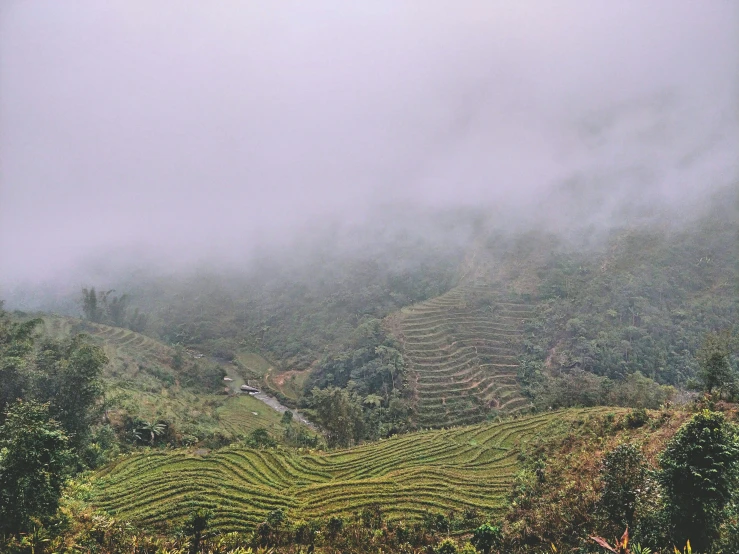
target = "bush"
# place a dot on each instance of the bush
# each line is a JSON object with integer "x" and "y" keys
{"x": 624, "y": 475}
{"x": 637, "y": 418}
{"x": 447, "y": 546}
{"x": 486, "y": 537}
{"x": 700, "y": 470}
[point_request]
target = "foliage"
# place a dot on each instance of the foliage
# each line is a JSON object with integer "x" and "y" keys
{"x": 71, "y": 382}
{"x": 624, "y": 476}
{"x": 147, "y": 431}
{"x": 620, "y": 546}
{"x": 260, "y": 438}
{"x": 35, "y": 460}
{"x": 65, "y": 374}
{"x": 195, "y": 526}
{"x": 699, "y": 473}
{"x": 558, "y": 497}
{"x": 636, "y": 418}
{"x": 641, "y": 303}
{"x": 715, "y": 371}
{"x": 486, "y": 537}
{"x": 16, "y": 348}
{"x": 361, "y": 392}
{"x": 447, "y": 546}
{"x": 339, "y": 414}
{"x": 104, "y": 307}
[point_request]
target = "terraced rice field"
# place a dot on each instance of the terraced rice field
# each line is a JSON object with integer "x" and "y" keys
{"x": 462, "y": 350}
{"x": 430, "y": 471}
{"x": 129, "y": 339}
{"x": 118, "y": 337}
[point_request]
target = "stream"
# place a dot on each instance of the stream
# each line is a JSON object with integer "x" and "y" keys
{"x": 275, "y": 404}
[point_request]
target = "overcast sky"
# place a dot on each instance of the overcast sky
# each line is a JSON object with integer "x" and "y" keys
{"x": 200, "y": 127}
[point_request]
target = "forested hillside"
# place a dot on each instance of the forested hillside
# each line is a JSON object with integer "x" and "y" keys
{"x": 466, "y": 322}
{"x": 643, "y": 304}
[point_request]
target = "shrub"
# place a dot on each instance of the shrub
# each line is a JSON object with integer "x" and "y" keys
{"x": 624, "y": 474}
{"x": 447, "y": 546}
{"x": 486, "y": 537}
{"x": 637, "y": 418}
{"x": 700, "y": 469}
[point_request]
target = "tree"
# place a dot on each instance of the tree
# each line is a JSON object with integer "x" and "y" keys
{"x": 71, "y": 384}
{"x": 287, "y": 418}
{"x": 195, "y": 526}
{"x": 117, "y": 309}
{"x": 339, "y": 415}
{"x": 715, "y": 370}
{"x": 447, "y": 546}
{"x": 624, "y": 475}
{"x": 699, "y": 473}
{"x": 486, "y": 537}
{"x": 137, "y": 321}
{"x": 16, "y": 347}
{"x": 93, "y": 304}
{"x": 34, "y": 463}
{"x": 148, "y": 431}
{"x": 260, "y": 438}
{"x": 103, "y": 307}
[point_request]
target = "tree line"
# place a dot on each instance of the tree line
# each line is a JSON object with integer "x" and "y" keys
{"x": 50, "y": 405}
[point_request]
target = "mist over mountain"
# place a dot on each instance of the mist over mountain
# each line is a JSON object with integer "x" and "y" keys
{"x": 189, "y": 134}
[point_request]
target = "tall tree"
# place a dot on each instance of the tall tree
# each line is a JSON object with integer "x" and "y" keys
{"x": 34, "y": 463}
{"x": 624, "y": 475}
{"x": 339, "y": 416}
{"x": 71, "y": 382}
{"x": 117, "y": 308}
{"x": 90, "y": 308}
{"x": 715, "y": 369}
{"x": 16, "y": 347}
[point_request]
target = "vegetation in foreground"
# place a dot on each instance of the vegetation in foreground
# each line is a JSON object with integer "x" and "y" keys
{"x": 670, "y": 476}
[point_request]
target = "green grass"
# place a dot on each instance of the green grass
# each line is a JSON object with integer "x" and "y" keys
{"x": 254, "y": 366}
{"x": 408, "y": 475}
{"x": 241, "y": 414}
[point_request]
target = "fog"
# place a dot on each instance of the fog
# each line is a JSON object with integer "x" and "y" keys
{"x": 194, "y": 130}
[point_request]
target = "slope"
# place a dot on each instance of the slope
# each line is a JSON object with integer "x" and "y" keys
{"x": 462, "y": 350}
{"x": 408, "y": 475}
{"x": 146, "y": 381}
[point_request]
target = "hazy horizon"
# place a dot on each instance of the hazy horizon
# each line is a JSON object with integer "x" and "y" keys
{"x": 191, "y": 131}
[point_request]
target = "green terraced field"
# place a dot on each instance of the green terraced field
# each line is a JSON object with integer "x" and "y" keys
{"x": 436, "y": 471}
{"x": 462, "y": 350}
{"x": 119, "y": 343}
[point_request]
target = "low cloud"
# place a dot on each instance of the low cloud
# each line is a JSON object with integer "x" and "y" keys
{"x": 192, "y": 130}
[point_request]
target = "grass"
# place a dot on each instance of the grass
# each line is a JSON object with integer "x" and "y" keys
{"x": 253, "y": 365}
{"x": 462, "y": 468}
{"x": 241, "y": 414}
